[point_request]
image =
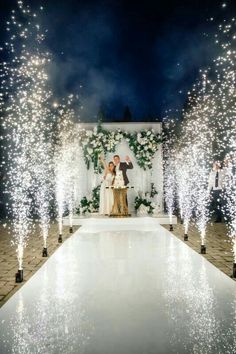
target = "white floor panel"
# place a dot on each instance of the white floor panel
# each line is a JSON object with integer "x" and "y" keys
{"x": 94, "y": 225}
{"x": 162, "y": 219}
{"x": 132, "y": 289}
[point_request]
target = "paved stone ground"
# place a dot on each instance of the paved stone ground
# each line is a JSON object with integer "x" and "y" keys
{"x": 219, "y": 253}
{"x": 218, "y": 244}
{"x": 33, "y": 259}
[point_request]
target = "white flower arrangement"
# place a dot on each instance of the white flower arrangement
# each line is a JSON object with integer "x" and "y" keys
{"x": 144, "y": 145}
{"x": 99, "y": 141}
{"x": 144, "y": 202}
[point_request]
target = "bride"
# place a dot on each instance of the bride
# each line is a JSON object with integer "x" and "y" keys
{"x": 106, "y": 194}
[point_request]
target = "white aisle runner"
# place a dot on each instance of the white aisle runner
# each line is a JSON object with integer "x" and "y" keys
{"x": 122, "y": 287}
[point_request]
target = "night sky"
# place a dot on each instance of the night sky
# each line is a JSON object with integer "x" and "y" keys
{"x": 115, "y": 53}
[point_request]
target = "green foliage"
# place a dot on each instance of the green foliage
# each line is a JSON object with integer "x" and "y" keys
{"x": 100, "y": 141}
{"x": 90, "y": 205}
{"x": 153, "y": 191}
{"x": 146, "y": 199}
{"x": 143, "y": 201}
{"x": 144, "y": 146}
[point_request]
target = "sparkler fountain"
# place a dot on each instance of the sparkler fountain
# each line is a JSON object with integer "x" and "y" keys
{"x": 225, "y": 68}
{"x": 65, "y": 166}
{"x": 75, "y": 176}
{"x": 185, "y": 185}
{"x": 43, "y": 174}
{"x": 60, "y": 190}
{"x": 73, "y": 173}
{"x": 230, "y": 198}
{"x": 170, "y": 188}
{"x": 22, "y": 97}
{"x": 180, "y": 184}
{"x": 181, "y": 179}
{"x": 43, "y": 195}
{"x": 219, "y": 112}
{"x": 71, "y": 212}
{"x": 209, "y": 131}
{"x": 169, "y": 168}
{"x": 195, "y": 195}
{"x": 198, "y": 138}
{"x": 60, "y": 200}
{"x": 202, "y": 202}
{"x": 71, "y": 177}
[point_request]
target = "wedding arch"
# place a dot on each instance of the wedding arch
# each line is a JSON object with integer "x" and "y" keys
{"x": 135, "y": 140}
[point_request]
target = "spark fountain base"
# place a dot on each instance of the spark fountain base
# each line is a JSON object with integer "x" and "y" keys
{"x": 45, "y": 252}
{"x": 71, "y": 230}
{"x": 185, "y": 237}
{"x": 60, "y": 238}
{"x": 234, "y": 270}
{"x": 19, "y": 276}
{"x": 171, "y": 227}
{"x": 203, "y": 249}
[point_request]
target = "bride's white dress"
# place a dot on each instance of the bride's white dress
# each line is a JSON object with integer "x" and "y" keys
{"x": 106, "y": 195}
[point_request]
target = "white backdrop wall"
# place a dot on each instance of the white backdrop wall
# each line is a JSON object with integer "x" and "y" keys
{"x": 140, "y": 179}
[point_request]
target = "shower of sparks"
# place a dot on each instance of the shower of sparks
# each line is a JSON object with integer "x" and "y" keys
{"x": 197, "y": 138}
{"x": 169, "y": 167}
{"x": 208, "y": 133}
{"x": 225, "y": 68}
{"x": 230, "y": 197}
{"x": 185, "y": 186}
{"x": 66, "y": 162}
{"x": 43, "y": 182}
{"x": 26, "y": 122}
{"x": 181, "y": 179}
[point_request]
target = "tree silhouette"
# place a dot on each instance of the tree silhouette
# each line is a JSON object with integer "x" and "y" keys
{"x": 101, "y": 116}
{"x": 127, "y": 117}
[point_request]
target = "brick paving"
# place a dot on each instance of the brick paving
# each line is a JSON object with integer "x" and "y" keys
{"x": 218, "y": 244}
{"x": 33, "y": 259}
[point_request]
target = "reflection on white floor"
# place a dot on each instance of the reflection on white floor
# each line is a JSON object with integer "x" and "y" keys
{"x": 122, "y": 288}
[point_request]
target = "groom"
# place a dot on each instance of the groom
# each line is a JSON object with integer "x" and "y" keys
{"x": 123, "y": 166}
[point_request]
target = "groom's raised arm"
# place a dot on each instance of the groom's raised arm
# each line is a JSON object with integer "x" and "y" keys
{"x": 129, "y": 164}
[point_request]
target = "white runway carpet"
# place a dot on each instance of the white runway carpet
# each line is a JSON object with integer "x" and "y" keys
{"x": 122, "y": 286}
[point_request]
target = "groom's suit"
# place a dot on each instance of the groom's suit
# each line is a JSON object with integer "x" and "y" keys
{"x": 124, "y": 166}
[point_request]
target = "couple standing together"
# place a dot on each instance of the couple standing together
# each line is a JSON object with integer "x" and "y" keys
{"x": 111, "y": 170}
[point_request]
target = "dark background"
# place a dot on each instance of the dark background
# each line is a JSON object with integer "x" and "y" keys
{"x": 145, "y": 55}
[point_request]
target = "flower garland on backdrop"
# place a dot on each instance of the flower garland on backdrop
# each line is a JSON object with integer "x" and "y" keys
{"x": 100, "y": 141}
